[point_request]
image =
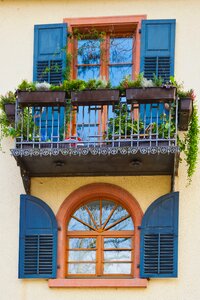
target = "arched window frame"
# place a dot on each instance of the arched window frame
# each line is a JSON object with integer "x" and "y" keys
{"x": 78, "y": 198}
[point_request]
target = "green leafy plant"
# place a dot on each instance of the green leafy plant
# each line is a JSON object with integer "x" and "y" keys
{"x": 27, "y": 86}
{"x": 122, "y": 124}
{"x": 9, "y": 98}
{"x": 157, "y": 81}
{"x": 189, "y": 144}
{"x": 139, "y": 82}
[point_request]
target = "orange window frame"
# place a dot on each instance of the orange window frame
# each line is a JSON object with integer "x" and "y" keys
{"x": 121, "y": 25}
{"x": 100, "y": 234}
{"x": 77, "y": 198}
{"x": 105, "y": 55}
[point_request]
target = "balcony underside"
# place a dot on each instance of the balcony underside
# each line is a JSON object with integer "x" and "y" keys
{"x": 97, "y": 161}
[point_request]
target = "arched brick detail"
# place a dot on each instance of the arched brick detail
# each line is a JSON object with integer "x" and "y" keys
{"x": 88, "y": 193}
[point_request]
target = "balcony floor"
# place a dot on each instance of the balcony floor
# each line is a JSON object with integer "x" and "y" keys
{"x": 143, "y": 160}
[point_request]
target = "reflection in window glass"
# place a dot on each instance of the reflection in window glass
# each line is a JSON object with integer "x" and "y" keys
{"x": 121, "y": 59}
{"x": 82, "y": 255}
{"x": 121, "y": 50}
{"x": 117, "y": 243}
{"x": 124, "y": 225}
{"x": 117, "y": 255}
{"x": 86, "y": 73}
{"x": 88, "y": 52}
{"x": 77, "y": 243}
{"x": 75, "y": 225}
{"x": 117, "y": 268}
{"x": 117, "y": 73}
{"x": 82, "y": 268}
{"x": 107, "y": 207}
{"x": 101, "y": 214}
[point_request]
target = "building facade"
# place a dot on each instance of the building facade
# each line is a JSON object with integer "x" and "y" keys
{"x": 117, "y": 220}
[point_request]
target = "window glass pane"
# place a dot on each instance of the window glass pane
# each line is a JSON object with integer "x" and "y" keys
{"x": 94, "y": 208}
{"x": 88, "y": 52}
{"x": 107, "y": 207}
{"x": 121, "y": 50}
{"x": 82, "y": 255}
{"x": 117, "y": 243}
{"x": 82, "y": 268}
{"x": 75, "y": 225}
{"x": 124, "y": 225}
{"x": 83, "y": 215}
{"x": 82, "y": 243}
{"x": 117, "y": 268}
{"x": 117, "y": 73}
{"x": 117, "y": 255}
{"x": 119, "y": 213}
{"x": 86, "y": 73}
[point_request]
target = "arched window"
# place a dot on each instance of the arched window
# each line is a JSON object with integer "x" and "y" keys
{"x": 99, "y": 233}
{"x": 100, "y": 240}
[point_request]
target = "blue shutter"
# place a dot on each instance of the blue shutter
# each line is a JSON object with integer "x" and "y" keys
{"x": 38, "y": 239}
{"x": 157, "y": 55}
{"x": 50, "y": 43}
{"x": 49, "y": 52}
{"x": 159, "y": 238}
{"x": 157, "y": 48}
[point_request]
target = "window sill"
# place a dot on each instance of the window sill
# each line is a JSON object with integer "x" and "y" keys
{"x": 117, "y": 283}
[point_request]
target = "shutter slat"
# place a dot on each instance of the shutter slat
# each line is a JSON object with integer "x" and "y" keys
{"x": 159, "y": 238}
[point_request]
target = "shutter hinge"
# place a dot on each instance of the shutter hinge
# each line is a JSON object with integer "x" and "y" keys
{"x": 139, "y": 227}
{"x": 59, "y": 228}
{"x": 138, "y": 266}
{"x": 140, "y": 31}
{"x": 58, "y": 266}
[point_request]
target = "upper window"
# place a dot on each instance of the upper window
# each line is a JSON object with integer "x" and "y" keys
{"x": 110, "y": 56}
{"x": 100, "y": 240}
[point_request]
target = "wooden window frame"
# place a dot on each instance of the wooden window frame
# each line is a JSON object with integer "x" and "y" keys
{"x": 99, "y": 235}
{"x": 72, "y": 202}
{"x": 121, "y": 25}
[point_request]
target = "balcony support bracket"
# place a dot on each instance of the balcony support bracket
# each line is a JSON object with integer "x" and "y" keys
{"x": 26, "y": 180}
{"x": 175, "y": 171}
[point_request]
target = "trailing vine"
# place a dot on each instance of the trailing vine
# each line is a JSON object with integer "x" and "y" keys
{"x": 189, "y": 145}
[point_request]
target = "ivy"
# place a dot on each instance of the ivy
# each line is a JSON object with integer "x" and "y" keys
{"x": 190, "y": 144}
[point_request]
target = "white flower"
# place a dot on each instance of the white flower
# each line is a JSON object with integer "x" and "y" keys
{"x": 42, "y": 86}
{"x": 147, "y": 83}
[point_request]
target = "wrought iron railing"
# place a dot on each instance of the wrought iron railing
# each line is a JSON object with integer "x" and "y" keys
{"x": 97, "y": 126}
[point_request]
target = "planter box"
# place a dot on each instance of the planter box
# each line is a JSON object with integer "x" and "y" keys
{"x": 95, "y": 97}
{"x": 184, "y": 113}
{"x": 41, "y": 98}
{"x": 10, "y": 111}
{"x": 156, "y": 94}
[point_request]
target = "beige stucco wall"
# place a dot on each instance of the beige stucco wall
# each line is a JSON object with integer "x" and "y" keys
{"x": 17, "y": 19}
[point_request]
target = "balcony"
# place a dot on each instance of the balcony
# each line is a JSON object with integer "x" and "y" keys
{"x": 72, "y": 138}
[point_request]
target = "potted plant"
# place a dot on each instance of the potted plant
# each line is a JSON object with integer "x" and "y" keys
{"x": 185, "y": 107}
{"x": 93, "y": 92}
{"x": 7, "y": 104}
{"x": 43, "y": 93}
{"x": 145, "y": 90}
{"x": 123, "y": 127}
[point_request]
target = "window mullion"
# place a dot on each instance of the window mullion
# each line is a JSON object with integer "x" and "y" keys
{"x": 99, "y": 256}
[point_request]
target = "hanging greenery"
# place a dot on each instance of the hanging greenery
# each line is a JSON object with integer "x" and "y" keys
{"x": 189, "y": 144}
